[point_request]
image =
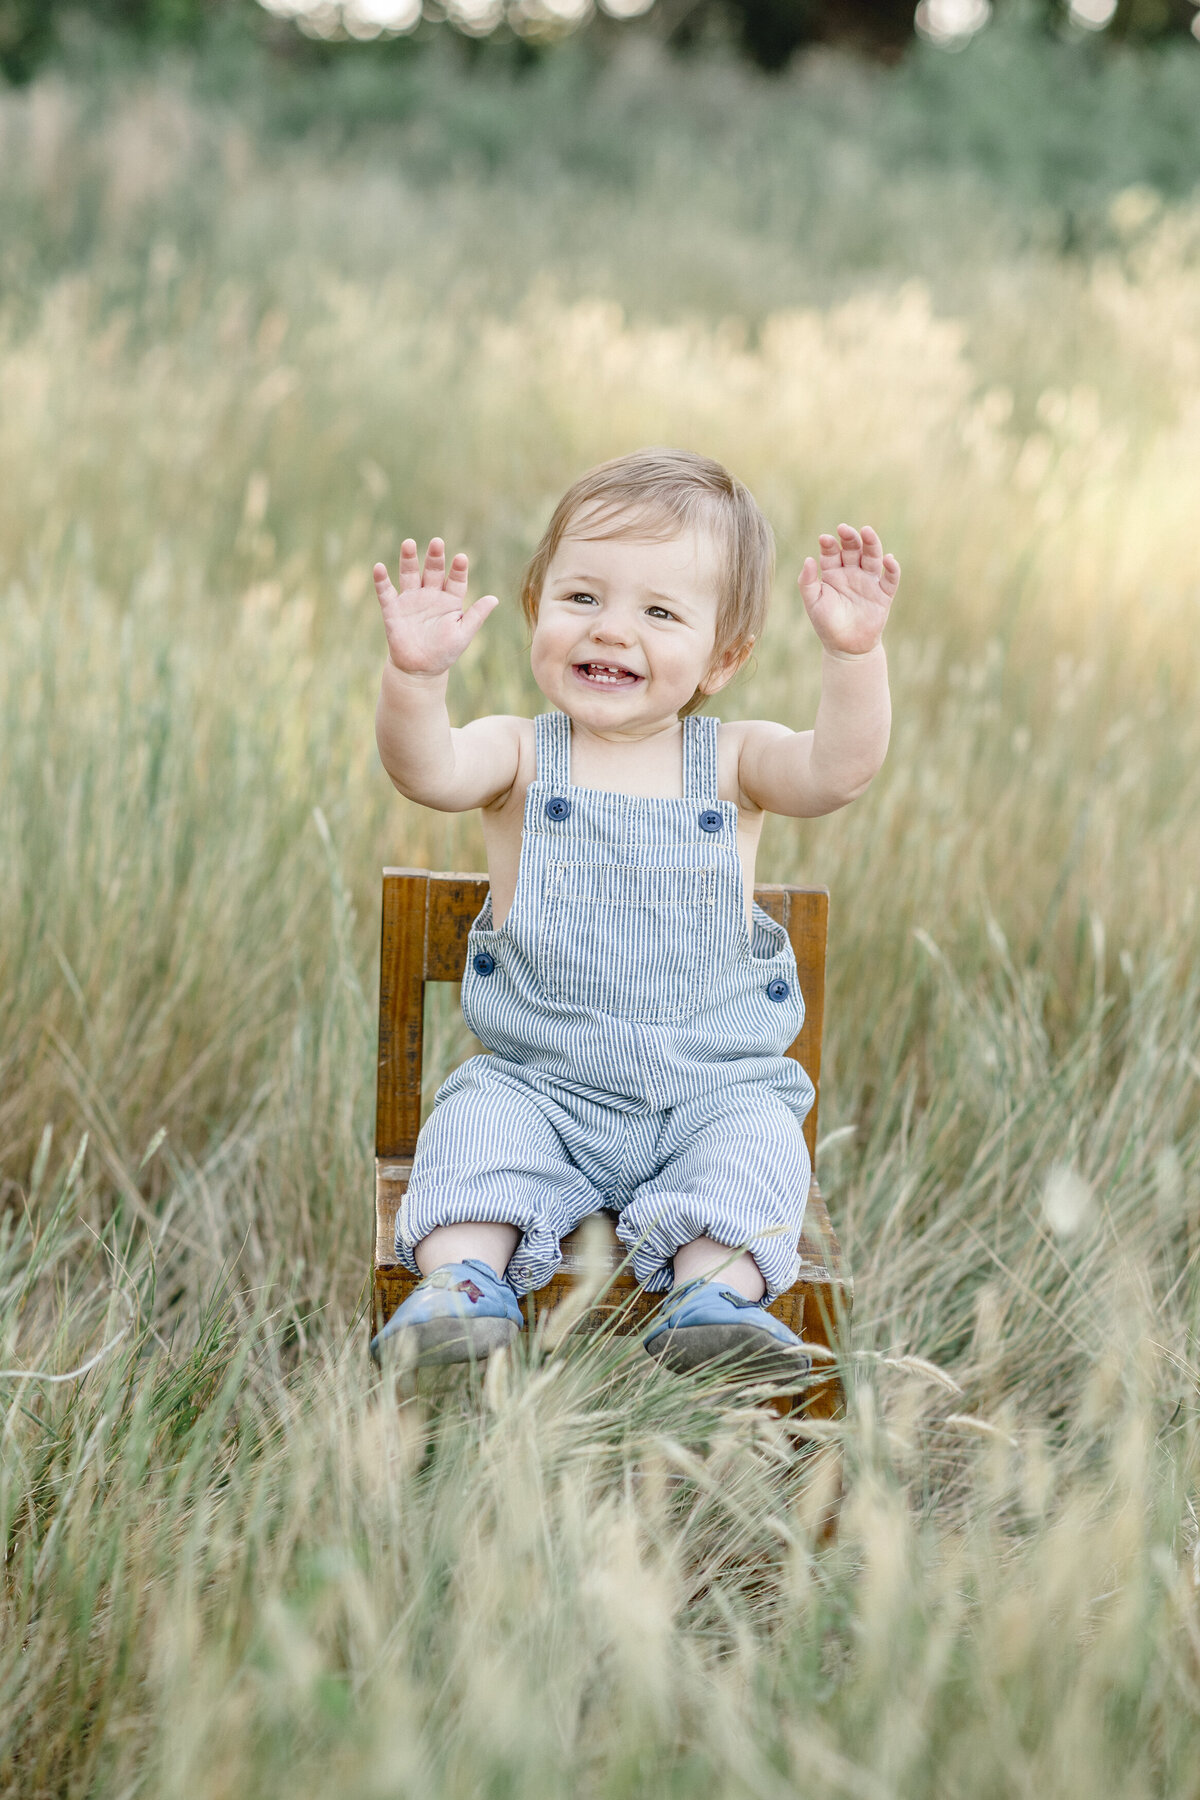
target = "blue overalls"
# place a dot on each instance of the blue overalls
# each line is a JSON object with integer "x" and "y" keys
{"x": 637, "y": 1032}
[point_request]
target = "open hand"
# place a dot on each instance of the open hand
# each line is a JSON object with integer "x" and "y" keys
{"x": 848, "y": 595}
{"x": 427, "y": 625}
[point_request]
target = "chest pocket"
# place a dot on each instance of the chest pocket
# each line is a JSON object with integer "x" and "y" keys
{"x": 630, "y": 940}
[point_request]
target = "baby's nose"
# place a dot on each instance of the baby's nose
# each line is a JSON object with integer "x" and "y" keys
{"x": 612, "y": 630}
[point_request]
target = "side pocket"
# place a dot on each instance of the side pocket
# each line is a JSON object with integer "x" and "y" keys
{"x": 483, "y": 970}
{"x": 772, "y": 960}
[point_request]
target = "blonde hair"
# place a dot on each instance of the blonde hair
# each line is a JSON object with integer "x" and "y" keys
{"x": 660, "y": 492}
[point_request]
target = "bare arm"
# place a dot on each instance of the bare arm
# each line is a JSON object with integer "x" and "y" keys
{"x": 428, "y": 627}
{"x": 806, "y": 773}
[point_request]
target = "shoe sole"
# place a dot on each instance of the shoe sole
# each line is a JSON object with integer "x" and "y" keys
{"x": 740, "y": 1348}
{"x": 446, "y": 1340}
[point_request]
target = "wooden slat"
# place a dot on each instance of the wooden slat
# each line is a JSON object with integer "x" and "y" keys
{"x": 454, "y": 902}
{"x": 804, "y": 913}
{"x": 391, "y": 1181}
{"x": 807, "y": 925}
{"x": 401, "y": 1012}
{"x": 772, "y": 896}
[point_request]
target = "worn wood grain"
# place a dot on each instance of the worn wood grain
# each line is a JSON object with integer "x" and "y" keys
{"x": 807, "y": 926}
{"x": 454, "y": 903}
{"x": 401, "y": 1011}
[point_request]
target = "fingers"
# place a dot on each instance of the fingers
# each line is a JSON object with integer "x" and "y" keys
{"x": 383, "y": 583}
{"x": 456, "y": 579}
{"x": 843, "y": 551}
{"x": 831, "y": 551}
{"x": 410, "y": 567}
{"x": 851, "y": 546}
{"x": 434, "y": 574}
{"x": 872, "y": 552}
{"x": 810, "y": 580}
{"x": 474, "y": 616}
{"x": 851, "y": 549}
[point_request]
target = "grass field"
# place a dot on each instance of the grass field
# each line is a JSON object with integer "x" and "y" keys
{"x": 235, "y": 367}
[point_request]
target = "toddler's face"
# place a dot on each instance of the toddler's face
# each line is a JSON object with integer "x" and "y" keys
{"x": 626, "y": 627}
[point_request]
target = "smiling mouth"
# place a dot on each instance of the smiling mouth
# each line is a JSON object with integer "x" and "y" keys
{"x": 607, "y": 675}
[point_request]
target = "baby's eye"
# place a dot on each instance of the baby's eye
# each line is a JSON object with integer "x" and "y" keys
{"x": 660, "y": 612}
{"x": 583, "y": 599}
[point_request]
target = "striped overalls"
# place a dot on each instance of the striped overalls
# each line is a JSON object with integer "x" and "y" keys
{"x": 637, "y": 1033}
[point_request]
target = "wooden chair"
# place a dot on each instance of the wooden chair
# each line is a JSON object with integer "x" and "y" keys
{"x": 426, "y": 918}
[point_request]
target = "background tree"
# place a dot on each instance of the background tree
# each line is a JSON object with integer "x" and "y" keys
{"x": 766, "y": 32}
{"x": 770, "y": 32}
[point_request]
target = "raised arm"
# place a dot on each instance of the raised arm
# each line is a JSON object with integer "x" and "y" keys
{"x": 428, "y": 627}
{"x": 847, "y": 597}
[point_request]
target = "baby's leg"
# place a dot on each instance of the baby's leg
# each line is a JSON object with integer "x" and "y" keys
{"x": 706, "y": 1258}
{"x": 729, "y": 1195}
{"x": 731, "y": 1188}
{"x": 478, "y": 1241}
{"x": 493, "y": 1180}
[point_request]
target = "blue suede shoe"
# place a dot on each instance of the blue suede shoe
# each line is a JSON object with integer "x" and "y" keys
{"x": 703, "y": 1322}
{"x": 460, "y": 1313}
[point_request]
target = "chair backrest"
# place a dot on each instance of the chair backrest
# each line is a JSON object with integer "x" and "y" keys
{"x": 426, "y": 919}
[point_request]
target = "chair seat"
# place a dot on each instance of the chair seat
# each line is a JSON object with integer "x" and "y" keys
{"x": 812, "y": 1308}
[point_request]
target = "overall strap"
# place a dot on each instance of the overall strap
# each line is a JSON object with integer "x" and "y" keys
{"x": 700, "y": 757}
{"x": 552, "y": 735}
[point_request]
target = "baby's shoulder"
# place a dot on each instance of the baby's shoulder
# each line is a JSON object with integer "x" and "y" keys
{"x": 510, "y": 725}
{"x": 738, "y": 739}
{"x": 510, "y": 740}
{"x": 500, "y": 728}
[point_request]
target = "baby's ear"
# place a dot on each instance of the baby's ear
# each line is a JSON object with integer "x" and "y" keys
{"x": 725, "y": 666}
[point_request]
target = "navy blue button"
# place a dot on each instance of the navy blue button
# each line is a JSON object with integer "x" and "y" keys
{"x": 484, "y": 964}
{"x": 778, "y": 990}
{"x": 557, "y": 808}
{"x": 711, "y": 821}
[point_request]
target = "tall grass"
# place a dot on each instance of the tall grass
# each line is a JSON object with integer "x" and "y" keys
{"x": 232, "y": 372}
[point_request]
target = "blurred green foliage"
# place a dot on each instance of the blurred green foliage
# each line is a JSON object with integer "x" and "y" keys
{"x": 33, "y": 30}
{"x": 1043, "y": 131}
{"x": 766, "y": 32}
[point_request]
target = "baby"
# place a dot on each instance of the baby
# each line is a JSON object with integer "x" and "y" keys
{"x": 636, "y": 1002}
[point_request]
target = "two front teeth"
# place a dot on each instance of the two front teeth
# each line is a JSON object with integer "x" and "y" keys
{"x": 607, "y": 672}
